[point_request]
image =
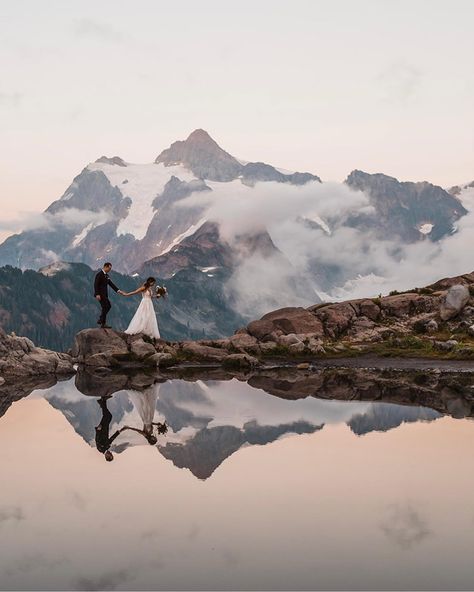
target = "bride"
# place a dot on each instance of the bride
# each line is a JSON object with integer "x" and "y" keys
{"x": 144, "y": 320}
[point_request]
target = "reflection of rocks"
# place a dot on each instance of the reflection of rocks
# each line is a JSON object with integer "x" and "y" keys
{"x": 14, "y": 391}
{"x": 405, "y": 526}
{"x": 203, "y": 453}
{"x": 449, "y": 393}
{"x": 101, "y": 383}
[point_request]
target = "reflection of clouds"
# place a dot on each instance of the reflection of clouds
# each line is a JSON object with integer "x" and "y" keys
{"x": 87, "y": 28}
{"x": 151, "y": 533}
{"x": 194, "y": 531}
{"x": 13, "y": 513}
{"x": 77, "y": 500}
{"x": 32, "y": 562}
{"x": 230, "y": 557}
{"x": 107, "y": 581}
{"x": 404, "y": 526}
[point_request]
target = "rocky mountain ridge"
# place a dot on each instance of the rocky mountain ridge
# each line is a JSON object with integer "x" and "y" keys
{"x": 138, "y": 216}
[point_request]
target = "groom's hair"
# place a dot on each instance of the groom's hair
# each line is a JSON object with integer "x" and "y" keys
{"x": 108, "y": 264}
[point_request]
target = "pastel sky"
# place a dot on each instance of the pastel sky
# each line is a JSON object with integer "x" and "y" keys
{"x": 323, "y": 86}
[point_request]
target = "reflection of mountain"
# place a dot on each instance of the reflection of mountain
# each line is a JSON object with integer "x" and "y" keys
{"x": 209, "y": 421}
{"x": 204, "y": 452}
{"x": 84, "y": 413}
{"x": 384, "y": 417}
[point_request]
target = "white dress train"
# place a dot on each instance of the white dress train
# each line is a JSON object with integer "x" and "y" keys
{"x": 144, "y": 320}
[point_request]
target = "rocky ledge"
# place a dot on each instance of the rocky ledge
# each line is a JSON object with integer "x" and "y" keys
{"x": 436, "y": 321}
{"x": 113, "y": 349}
{"x": 20, "y": 357}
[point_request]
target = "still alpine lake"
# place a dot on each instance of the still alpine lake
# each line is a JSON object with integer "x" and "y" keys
{"x": 278, "y": 483}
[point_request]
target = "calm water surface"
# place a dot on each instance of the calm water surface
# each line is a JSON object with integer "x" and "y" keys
{"x": 245, "y": 491}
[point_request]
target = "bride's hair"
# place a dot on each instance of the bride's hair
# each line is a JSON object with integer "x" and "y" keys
{"x": 149, "y": 282}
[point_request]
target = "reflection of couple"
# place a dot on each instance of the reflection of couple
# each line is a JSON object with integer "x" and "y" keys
{"x": 144, "y": 320}
{"x": 145, "y": 403}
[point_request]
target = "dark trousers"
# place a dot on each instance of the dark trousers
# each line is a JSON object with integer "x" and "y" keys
{"x": 105, "y": 307}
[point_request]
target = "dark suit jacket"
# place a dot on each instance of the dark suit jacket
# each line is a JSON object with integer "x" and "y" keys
{"x": 101, "y": 283}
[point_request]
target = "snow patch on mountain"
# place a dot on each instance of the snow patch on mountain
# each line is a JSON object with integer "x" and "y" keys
{"x": 425, "y": 228}
{"x": 144, "y": 183}
{"x": 54, "y": 268}
{"x": 82, "y": 235}
{"x": 190, "y": 231}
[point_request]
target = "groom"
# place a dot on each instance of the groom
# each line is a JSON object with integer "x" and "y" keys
{"x": 101, "y": 283}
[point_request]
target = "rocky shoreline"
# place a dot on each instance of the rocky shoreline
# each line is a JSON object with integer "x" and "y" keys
{"x": 435, "y": 322}
{"x": 432, "y": 323}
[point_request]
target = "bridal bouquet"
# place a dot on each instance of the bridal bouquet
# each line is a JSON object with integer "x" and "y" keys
{"x": 161, "y": 291}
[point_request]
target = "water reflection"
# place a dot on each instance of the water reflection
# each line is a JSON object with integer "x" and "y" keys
{"x": 198, "y": 424}
{"x": 336, "y": 480}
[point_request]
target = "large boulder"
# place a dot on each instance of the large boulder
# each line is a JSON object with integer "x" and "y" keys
{"x": 243, "y": 341}
{"x": 455, "y": 300}
{"x": 402, "y": 305}
{"x": 106, "y": 348}
{"x": 99, "y": 341}
{"x": 285, "y": 321}
{"x": 336, "y": 318}
{"x": 204, "y": 353}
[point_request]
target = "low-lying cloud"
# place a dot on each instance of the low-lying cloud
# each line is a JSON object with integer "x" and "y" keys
{"x": 367, "y": 266}
{"x": 71, "y": 218}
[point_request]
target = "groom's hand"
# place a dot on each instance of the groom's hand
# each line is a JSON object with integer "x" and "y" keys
{"x": 98, "y": 297}
{"x": 120, "y": 292}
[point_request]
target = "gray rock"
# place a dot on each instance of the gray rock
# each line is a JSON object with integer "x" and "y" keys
{"x": 99, "y": 341}
{"x": 243, "y": 341}
{"x": 142, "y": 349}
{"x": 445, "y": 345}
{"x": 297, "y": 348}
{"x": 203, "y": 352}
{"x": 317, "y": 349}
{"x": 240, "y": 361}
{"x": 161, "y": 359}
{"x": 268, "y": 347}
{"x": 471, "y": 330}
{"x": 288, "y": 340}
{"x": 20, "y": 357}
{"x": 431, "y": 326}
{"x": 455, "y": 300}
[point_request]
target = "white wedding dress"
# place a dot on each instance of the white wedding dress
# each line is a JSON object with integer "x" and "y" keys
{"x": 144, "y": 320}
{"x": 145, "y": 403}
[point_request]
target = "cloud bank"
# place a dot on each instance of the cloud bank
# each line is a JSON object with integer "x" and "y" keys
{"x": 366, "y": 266}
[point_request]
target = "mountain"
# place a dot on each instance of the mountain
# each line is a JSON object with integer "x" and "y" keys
{"x": 52, "y": 305}
{"x": 408, "y": 210}
{"x": 156, "y": 218}
{"x": 131, "y": 213}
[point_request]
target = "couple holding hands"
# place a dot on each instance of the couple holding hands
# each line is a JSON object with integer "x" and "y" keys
{"x": 144, "y": 320}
